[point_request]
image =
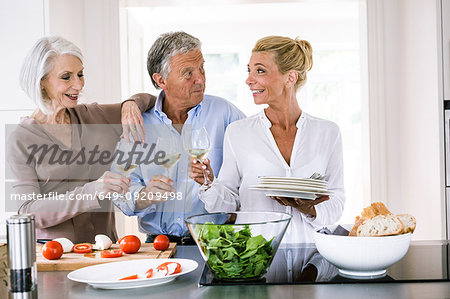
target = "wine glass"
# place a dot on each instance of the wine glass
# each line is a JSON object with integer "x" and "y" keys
{"x": 125, "y": 156}
{"x": 197, "y": 145}
{"x": 171, "y": 147}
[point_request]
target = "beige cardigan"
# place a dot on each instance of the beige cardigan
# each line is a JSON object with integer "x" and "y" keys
{"x": 79, "y": 220}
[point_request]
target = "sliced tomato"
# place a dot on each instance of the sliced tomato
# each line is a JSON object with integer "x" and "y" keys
{"x": 82, "y": 248}
{"x": 149, "y": 273}
{"x": 135, "y": 276}
{"x": 165, "y": 267}
{"x": 111, "y": 253}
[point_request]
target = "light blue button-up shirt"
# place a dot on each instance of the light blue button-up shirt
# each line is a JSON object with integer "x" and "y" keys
{"x": 213, "y": 113}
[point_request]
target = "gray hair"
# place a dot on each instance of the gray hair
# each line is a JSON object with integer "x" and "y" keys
{"x": 168, "y": 45}
{"x": 39, "y": 62}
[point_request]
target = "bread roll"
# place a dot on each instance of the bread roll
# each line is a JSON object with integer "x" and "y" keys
{"x": 409, "y": 223}
{"x": 375, "y": 209}
{"x": 358, "y": 222}
{"x": 381, "y": 225}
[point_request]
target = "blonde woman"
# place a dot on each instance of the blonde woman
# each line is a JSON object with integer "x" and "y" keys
{"x": 282, "y": 140}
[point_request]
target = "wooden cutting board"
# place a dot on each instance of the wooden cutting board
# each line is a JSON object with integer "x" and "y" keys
{"x": 72, "y": 261}
{"x": 3, "y": 271}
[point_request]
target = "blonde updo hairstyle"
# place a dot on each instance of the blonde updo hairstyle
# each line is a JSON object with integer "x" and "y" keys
{"x": 290, "y": 54}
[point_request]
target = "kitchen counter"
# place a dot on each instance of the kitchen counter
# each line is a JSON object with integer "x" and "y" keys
{"x": 57, "y": 285}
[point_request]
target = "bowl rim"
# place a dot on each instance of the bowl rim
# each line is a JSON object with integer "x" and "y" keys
{"x": 398, "y": 236}
{"x": 287, "y": 219}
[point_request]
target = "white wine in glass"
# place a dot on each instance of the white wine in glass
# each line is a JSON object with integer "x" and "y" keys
{"x": 171, "y": 147}
{"x": 125, "y": 160}
{"x": 126, "y": 170}
{"x": 197, "y": 144}
{"x": 198, "y": 153}
{"x": 171, "y": 160}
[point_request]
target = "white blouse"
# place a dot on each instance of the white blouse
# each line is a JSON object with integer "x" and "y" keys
{"x": 251, "y": 151}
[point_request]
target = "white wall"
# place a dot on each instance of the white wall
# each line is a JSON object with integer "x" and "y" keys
{"x": 406, "y": 119}
{"x": 93, "y": 26}
{"x": 19, "y": 29}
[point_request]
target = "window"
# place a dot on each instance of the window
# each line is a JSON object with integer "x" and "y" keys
{"x": 336, "y": 87}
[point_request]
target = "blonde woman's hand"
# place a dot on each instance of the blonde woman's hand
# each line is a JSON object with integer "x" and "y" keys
{"x": 132, "y": 122}
{"x": 305, "y": 206}
{"x": 196, "y": 169}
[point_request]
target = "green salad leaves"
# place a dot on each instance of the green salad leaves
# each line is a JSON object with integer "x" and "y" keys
{"x": 234, "y": 255}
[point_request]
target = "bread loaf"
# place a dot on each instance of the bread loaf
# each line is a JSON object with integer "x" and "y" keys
{"x": 375, "y": 209}
{"x": 381, "y": 225}
{"x": 377, "y": 220}
{"x": 409, "y": 223}
{"x": 358, "y": 222}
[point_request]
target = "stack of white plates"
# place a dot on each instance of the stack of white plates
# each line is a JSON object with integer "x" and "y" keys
{"x": 304, "y": 188}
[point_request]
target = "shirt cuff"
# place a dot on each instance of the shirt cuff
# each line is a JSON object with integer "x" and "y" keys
{"x": 90, "y": 189}
{"x": 135, "y": 189}
{"x": 314, "y": 220}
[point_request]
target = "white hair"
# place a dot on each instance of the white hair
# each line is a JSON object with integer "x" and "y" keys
{"x": 166, "y": 46}
{"x": 39, "y": 62}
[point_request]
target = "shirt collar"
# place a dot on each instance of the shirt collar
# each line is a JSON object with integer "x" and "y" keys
{"x": 264, "y": 119}
{"x": 158, "y": 107}
{"x": 193, "y": 112}
{"x": 268, "y": 124}
{"x": 301, "y": 119}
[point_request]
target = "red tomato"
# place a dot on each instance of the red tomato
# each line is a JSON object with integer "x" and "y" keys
{"x": 82, "y": 248}
{"x": 165, "y": 267}
{"x": 161, "y": 242}
{"x": 149, "y": 273}
{"x": 111, "y": 253}
{"x": 52, "y": 250}
{"x": 135, "y": 276}
{"x": 130, "y": 244}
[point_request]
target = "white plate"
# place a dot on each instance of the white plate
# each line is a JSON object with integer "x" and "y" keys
{"x": 291, "y": 194}
{"x": 287, "y": 183}
{"x": 292, "y": 189}
{"x": 291, "y": 183}
{"x": 106, "y": 276}
{"x": 290, "y": 179}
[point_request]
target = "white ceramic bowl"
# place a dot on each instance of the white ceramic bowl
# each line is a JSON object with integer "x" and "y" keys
{"x": 361, "y": 256}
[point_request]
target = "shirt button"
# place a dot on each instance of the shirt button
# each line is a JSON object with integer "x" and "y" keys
{"x": 178, "y": 219}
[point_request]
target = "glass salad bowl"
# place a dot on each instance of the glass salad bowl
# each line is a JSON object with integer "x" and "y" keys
{"x": 238, "y": 245}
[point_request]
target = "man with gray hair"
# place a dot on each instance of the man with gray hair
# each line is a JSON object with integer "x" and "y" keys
{"x": 176, "y": 66}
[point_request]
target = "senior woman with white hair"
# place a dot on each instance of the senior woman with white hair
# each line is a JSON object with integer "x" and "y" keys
{"x": 48, "y": 152}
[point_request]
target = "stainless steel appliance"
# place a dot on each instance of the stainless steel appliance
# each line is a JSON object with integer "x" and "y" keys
{"x": 447, "y": 163}
{"x": 424, "y": 262}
